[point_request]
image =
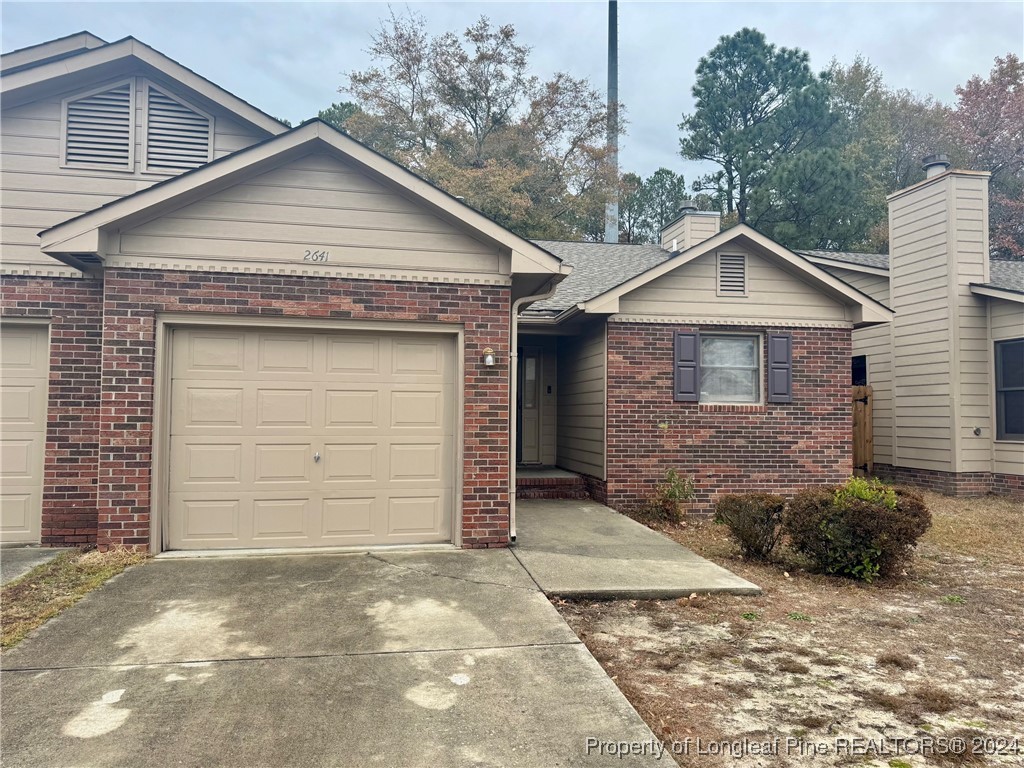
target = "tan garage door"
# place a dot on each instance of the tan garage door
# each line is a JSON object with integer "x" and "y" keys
{"x": 24, "y": 362}
{"x": 282, "y": 439}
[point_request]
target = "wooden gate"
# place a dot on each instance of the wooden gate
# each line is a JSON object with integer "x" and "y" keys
{"x": 863, "y": 438}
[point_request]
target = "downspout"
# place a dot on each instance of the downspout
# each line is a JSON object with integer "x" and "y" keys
{"x": 549, "y": 291}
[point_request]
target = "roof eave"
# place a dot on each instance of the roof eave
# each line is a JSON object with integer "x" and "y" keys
{"x": 127, "y": 48}
{"x": 69, "y": 236}
{"x": 852, "y": 266}
{"x": 992, "y": 291}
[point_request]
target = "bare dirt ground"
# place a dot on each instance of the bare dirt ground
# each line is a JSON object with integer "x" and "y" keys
{"x": 821, "y": 671}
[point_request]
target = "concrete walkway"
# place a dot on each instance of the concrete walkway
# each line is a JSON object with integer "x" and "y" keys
{"x": 415, "y": 659}
{"x": 17, "y": 561}
{"x": 584, "y": 549}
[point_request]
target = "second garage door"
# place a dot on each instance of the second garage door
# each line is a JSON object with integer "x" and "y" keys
{"x": 282, "y": 439}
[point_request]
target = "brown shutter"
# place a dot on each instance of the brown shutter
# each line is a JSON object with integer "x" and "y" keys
{"x": 780, "y": 368}
{"x": 687, "y": 367}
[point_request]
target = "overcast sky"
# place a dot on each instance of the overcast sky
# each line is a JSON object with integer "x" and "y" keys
{"x": 289, "y": 58}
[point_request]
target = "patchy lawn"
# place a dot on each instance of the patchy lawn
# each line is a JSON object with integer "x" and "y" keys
{"x": 48, "y": 589}
{"x": 935, "y": 656}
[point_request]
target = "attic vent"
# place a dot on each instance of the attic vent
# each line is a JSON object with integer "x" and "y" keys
{"x": 732, "y": 274}
{"x": 178, "y": 137}
{"x": 99, "y": 129}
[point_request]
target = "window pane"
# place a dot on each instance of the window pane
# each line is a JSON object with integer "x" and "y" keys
{"x": 728, "y": 385}
{"x": 1011, "y": 364}
{"x": 1011, "y": 418}
{"x": 728, "y": 350}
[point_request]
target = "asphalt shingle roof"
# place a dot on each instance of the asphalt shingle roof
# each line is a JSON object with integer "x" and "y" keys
{"x": 1006, "y": 275}
{"x": 597, "y": 267}
{"x": 876, "y": 260}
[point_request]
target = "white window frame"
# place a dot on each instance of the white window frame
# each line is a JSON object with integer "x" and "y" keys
{"x": 758, "y": 339}
{"x": 132, "y": 132}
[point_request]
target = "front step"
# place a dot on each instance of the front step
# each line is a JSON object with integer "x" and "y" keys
{"x": 549, "y": 483}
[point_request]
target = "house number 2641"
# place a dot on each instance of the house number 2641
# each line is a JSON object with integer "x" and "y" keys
{"x": 316, "y": 255}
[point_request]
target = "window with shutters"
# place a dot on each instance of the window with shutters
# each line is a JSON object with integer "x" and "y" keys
{"x": 101, "y": 128}
{"x": 723, "y": 368}
{"x": 98, "y": 129}
{"x": 178, "y": 136}
{"x": 732, "y": 274}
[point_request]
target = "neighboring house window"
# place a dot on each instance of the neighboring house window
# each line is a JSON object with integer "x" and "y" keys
{"x": 101, "y": 128}
{"x": 859, "y": 370}
{"x": 726, "y": 368}
{"x": 98, "y": 129}
{"x": 1010, "y": 390}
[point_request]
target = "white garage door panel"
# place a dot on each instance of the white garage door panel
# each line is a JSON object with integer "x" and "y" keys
{"x": 24, "y": 363}
{"x": 288, "y": 439}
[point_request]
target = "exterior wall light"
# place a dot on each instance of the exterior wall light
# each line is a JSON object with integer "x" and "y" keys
{"x": 488, "y": 356}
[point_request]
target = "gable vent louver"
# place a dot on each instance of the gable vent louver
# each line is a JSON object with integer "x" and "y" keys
{"x": 99, "y": 129}
{"x": 177, "y": 136}
{"x": 732, "y": 275}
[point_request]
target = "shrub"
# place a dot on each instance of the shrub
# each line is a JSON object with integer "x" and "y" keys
{"x": 861, "y": 529}
{"x": 666, "y": 505}
{"x": 754, "y": 521}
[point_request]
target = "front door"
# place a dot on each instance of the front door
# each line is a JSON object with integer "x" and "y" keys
{"x": 529, "y": 406}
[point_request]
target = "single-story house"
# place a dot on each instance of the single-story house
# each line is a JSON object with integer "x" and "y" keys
{"x": 219, "y": 332}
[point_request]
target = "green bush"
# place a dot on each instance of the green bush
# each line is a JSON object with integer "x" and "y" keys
{"x": 754, "y": 521}
{"x": 666, "y": 505}
{"x": 861, "y": 529}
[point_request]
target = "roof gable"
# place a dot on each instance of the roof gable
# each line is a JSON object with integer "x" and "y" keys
{"x": 80, "y": 66}
{"x": 862, "y": 309}
{"x": 93, "y": 233}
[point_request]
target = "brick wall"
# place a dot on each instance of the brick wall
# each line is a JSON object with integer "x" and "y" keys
{"x": 133, "y": 298}
{"x": 74, "y": 309}
{"x": 726, "y": 448}
{"x": 953, "y": 483}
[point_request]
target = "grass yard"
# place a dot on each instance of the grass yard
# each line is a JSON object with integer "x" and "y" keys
{"x": 937, "y": 655}
{"x": 48, "y": 589}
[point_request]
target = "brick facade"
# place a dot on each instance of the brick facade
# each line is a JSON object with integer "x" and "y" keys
{"x": 777, "y": 448}
{"x": 100, "y": 442}
{"x": 74, "y": 309}
{"x": 953, "y": 483}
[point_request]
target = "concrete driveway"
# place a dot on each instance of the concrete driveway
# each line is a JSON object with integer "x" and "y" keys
{"x": 392, "y": 659}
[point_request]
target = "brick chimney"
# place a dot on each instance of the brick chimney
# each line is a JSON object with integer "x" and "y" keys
{"x": 690, "y": 227}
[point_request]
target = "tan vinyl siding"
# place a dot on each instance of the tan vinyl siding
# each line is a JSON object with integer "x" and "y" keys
{"x": 942, "y": 365}
{"x": 690, "y": 230}
{"x": 1006, "y": 320}
{"x": 772, "y": 294}
{"x": 38, "y": 193}
{"x": 875, "y": 343}
{"x": 315, "y": 202}
{"x": 582, "y": 367}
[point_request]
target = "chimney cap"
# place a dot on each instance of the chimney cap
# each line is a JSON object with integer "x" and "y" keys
{"x": 935, "y": 163}
{"x": 686, "y": 206}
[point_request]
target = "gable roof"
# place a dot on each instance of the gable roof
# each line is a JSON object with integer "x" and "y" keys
{"x": 85, "y": 234}
{"x": 597, "y": 267}
{"x": 866, "y": 309}
{"x": 91, "y": 53}
{"x": 873, "y": 263}
{"x": 51, "y": 50}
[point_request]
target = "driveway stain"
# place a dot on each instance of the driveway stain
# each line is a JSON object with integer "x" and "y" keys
{"x": 98, "y": 718}
{"x": 184, "y": 630}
